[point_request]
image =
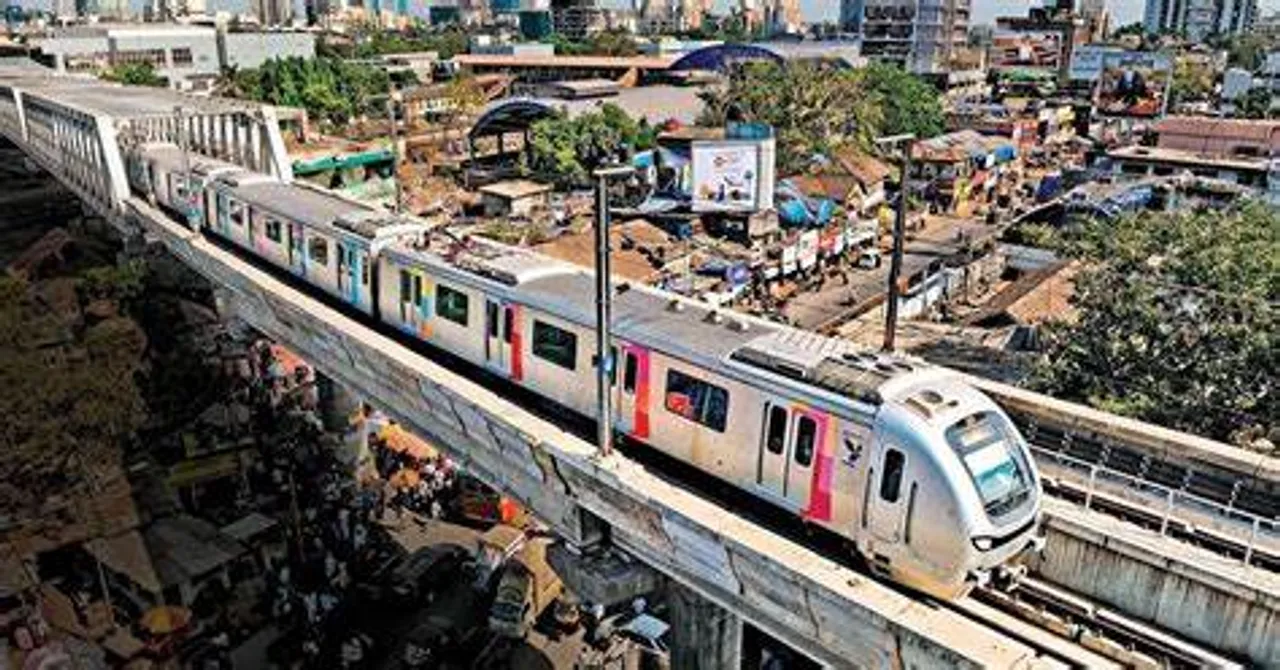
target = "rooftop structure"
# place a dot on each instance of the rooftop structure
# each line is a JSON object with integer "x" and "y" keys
{"x": 921, "y": 36}
{"x": 556, "y": 68}
{"x": 1198, "y": 19}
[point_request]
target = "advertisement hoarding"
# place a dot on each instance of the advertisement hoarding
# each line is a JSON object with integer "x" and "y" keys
{"x": 1133, "y": 84}
{"x": 1026, "y": 49}
{"x": 732, "y": 175}
{"x": 1126, "y": 83}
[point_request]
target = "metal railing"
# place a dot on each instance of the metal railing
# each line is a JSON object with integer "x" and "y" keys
{"x": 1094, "y": 476}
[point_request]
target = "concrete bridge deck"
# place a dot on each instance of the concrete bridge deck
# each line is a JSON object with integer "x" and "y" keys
{"x": 836, "y": 615}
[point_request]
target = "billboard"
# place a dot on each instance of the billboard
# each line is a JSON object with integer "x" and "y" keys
{"x": 1126, "y": 83}
{"x": 1133, "y": 83}
{"x": 732, "y": 175}
{"x": 1026, "y": 49}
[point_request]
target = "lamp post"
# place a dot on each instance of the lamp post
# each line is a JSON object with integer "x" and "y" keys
{"x": 899, "y": 231}
{"x": 604, "y": 309}
{"x": 393, "y": 97}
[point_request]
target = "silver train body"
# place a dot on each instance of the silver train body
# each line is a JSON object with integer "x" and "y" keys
{"x": 925, "y": 476}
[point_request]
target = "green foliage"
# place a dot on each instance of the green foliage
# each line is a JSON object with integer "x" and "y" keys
{"x": 1176, "y": 321}
{"x": 909, "y": 103}
{"x": 329, "y": 89}
{"x": 1192, "y": 81}
{"x": 1135, "y": 28}
{"x": 1255, "y": 104}
{"x": 812, "y": 108}
{"x": 607, "y": 43}
{"x": 371, "y": 41}
{"x": 565, "y": 150}
{"x": 1247, "y": 50}
{"x": 135, "y": 74}
{"x": 117, "y": 283}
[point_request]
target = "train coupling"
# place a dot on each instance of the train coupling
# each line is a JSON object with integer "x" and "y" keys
{"x": 1007, "y": 577}
{"x": 979, "y": 578}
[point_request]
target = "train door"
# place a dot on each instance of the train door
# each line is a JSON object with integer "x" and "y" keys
{"x": 887, "y": 494}
{"x": 297, "y": 261}
{"x": 787, "y": 451}
{"x": 224, "y": 215}
{"x": 349, "y": 272}
{"x": 414, "y": 309}
{"x": 631, "y": 396}
{"x": 502, "y": 338}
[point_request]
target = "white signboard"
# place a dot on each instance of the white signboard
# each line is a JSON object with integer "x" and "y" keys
{"x": 727, "y": 176}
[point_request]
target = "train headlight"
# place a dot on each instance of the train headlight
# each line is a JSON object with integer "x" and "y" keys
{"x": 982, "y": 543}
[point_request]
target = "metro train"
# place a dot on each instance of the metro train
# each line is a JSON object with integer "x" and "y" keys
{"x": 923, "y": 475}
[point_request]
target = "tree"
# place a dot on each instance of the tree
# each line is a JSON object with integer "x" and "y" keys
{"x": 909, "y": 103}
{"x": 1192, "y": 81}
{"x": 68, "y": 395}
{"x": 1255, "y": 104}
{"x": 812, "y": 107}
{"x": 1247, "y": 50}
{"x": 135, "y": 74}
{"x": 1176, "y": 321}
{"x": 1135, "y": 28}
{"x": 566, "y": 150}
{"x": 330, "y": 89}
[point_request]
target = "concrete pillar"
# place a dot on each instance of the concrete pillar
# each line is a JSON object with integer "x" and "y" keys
{"x": 337, "y": 404}
{"x": 703, "y": 636}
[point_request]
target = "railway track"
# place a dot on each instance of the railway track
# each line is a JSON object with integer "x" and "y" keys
{"x": 1107, "y": 637}
{"x": 1244, "y": 536}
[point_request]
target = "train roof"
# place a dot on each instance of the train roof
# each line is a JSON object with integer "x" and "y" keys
{"x": 168, "y": 156}
{"x": 319, "y": 209}
{"x": 715, "y": 338}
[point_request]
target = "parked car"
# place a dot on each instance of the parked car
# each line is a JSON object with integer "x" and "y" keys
{"x": 526, "y": 588}
{"x": 425, "y": 572}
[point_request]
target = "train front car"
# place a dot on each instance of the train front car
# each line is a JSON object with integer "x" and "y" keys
{"x": 953, "y": 496}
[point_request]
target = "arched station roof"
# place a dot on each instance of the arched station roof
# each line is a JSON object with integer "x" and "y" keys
{"x": 513, "y": 115}
{"x": 718, "y": 57}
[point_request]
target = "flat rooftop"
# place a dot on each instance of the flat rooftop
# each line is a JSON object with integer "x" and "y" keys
{"x": 587, "y": 62}
{"x": 515, "y": 189}
{"x": 1187, "y": 158}
{"x": 96, "y": 97}
{"x": 655, "y": 103}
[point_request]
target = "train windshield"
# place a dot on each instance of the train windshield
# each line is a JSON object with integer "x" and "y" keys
{"x": 989, "y": 449}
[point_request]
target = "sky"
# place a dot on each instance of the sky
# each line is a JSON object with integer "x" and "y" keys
{"x": 984, "y": 11}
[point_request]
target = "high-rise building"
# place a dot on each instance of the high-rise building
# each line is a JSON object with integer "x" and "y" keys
{"x": 273, "y": 12}
{"x": 671, "y": 16}
{"x": 923, "y": 36}
{"x": 1198, "y": 19}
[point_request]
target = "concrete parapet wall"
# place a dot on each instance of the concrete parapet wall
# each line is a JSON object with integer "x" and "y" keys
{"x": 1162, "y": 443}
{"x": 1203, "y": 596}
{"x": 839, "y": 617}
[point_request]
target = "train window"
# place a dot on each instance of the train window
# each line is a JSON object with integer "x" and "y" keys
{"x": 236, "y": 213}
{"x": 451, "y": 304}
{"x": 417, "y": 290}
{"x": 491, "y": 316}
{"x": 806, "y": 436}
{"x": 318, "y": 250}
{"x": 629, "y": 374}
{"x": 776, "y": 436}
{"x": 509, "y": 325}
{"x": 364, "y": 273}
{"x": 555, "y": 345}
{"x": 697, "y": 400}
{"x": 891, "y": 480}
{"x": 273, "y": 231}
{"x": 406, "y": 287}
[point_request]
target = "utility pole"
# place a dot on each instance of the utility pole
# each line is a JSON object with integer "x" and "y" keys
{"x": 392, "y": 98}
{"x": 899, "y": 231}
{"x": 604, "y": 310}
{"x": 187, "y": 195}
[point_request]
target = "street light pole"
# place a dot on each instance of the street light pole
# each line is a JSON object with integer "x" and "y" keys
{"x": 604, "y": 310}
{"x": 899, "y": 231}
{"x": 395, "y": 150}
